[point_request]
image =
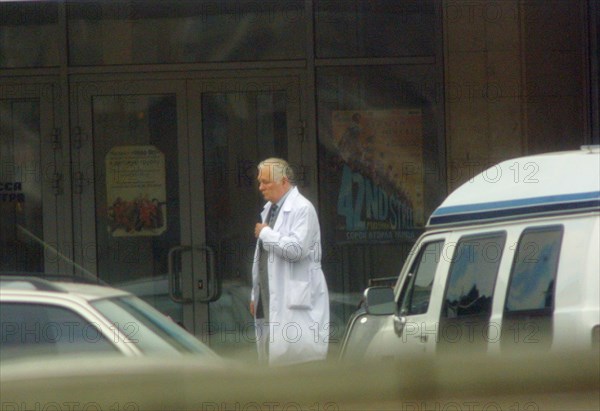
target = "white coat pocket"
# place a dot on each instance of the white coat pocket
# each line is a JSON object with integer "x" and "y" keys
{"x": 299, "y": 297}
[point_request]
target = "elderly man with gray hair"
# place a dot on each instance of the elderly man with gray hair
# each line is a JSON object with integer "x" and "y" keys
{"x": 290, "y": 300}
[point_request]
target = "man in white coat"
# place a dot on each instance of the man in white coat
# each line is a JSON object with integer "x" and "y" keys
{"x": 289, "y": 300}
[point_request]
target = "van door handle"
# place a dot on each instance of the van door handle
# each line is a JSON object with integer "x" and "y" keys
{"x": 399, "y": 323}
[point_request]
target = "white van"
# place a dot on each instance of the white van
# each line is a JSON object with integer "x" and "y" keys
{"x": 511, "y": 259}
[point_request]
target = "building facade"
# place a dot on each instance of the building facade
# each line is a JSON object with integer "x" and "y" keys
{"x": 131, "y": 130}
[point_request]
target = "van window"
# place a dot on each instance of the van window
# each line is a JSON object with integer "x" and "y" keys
{"x": 467, "y": 303}
{"x": 414, "y": 297}
{"x": 472, "y": 277}
{"x": 532, "y": 278}
{"x": 527, "y": 320}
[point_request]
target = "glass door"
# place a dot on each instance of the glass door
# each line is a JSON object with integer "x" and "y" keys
{"x": 165, "y": 191}
{"x": 34, "y": 193}
{"x": 131, "y": 191}
{"x": 235, "y": 124}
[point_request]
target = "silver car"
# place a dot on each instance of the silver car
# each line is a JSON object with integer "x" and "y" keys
{"x": 40, "y": 317}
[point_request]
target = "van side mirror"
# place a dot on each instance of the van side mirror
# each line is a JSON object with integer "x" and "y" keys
{"x": 379, "y": 301}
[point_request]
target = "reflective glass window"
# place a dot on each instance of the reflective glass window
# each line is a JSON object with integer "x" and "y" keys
{"x": 375, "y": 28}
{"x": 155, "y": 32}
{"x": 137, "y": 195}
{"x": 380, "y": 167}
{"x": 527, "y": 323}
{"x": 379, "y": 151}
{"x": 29, "y": 34}
{"x": 237, "y": 128}
{"x": 417, "y": 290}
{"x": 472, "y": 277}
{"x": 21, "y": 213}
{"x": 534, "y": 270}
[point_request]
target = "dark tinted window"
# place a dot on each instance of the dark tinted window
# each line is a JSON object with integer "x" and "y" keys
{"x": 416, "y": 292}
{"x": 472, "y": 276}
{"x": 21, "y": 205}
{"x": 29, "y": 34}
{"x": 156, "y": 31}
{"x": 375, "y": 200}
{"x": 534, "y": 270}
{"x": 28, "y": 329}
{"x": 375, "y": 28}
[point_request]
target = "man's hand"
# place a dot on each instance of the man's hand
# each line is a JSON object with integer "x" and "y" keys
{"x": 252, "y": 308}
{"x": 258, "y": 228}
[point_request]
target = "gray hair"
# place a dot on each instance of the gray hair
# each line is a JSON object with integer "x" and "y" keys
{"x": 279, "y": 169}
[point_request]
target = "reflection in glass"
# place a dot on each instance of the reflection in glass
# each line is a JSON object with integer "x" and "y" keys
{"x": 534, "y": 271}
{"x": 239, "y": 129}
{"x": 472, "y": 277}
{"x": 136, "y": 229}
{"x": 371, "y": 229}
{"x": 416, "y": 293}
{"x": 156, "y": 32}
{"x": 380, "y": 300}
{"x": 528, "y": 320}
{"x": 21, "y": 228}
{"x": 467, "y": 304}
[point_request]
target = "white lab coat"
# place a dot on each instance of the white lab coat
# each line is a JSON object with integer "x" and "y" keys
{"x": 299, "y": 301}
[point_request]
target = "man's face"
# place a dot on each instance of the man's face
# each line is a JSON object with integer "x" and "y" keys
{"x": 271, "y": 190}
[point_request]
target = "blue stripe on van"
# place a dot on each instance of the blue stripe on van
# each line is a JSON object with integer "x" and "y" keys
{"x": 513, "y": 208}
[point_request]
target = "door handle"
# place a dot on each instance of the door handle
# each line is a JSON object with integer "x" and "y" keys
{"x": 211, "y": 277}
{"x": 213, "y": 289}
{"x": 173, "y": 251}
{"x": 399, "y": 323}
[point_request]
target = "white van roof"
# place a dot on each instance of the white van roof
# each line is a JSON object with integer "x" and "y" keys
{"x": 563, "y": 182}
